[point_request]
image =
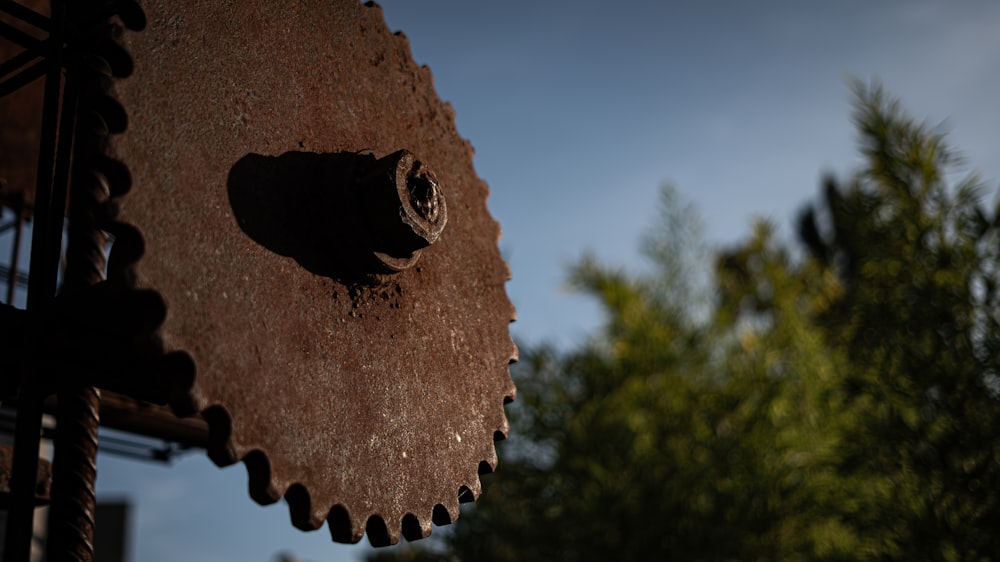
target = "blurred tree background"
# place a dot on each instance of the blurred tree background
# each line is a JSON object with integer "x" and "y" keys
{"x": 833, "y": 398}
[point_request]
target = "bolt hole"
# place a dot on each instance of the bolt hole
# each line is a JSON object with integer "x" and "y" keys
{"x": 424, "y": 196}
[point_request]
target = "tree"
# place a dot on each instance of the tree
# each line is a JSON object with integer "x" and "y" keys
{"x": 917, "y": 260}
{"x": 834, "y": 403}
{"x": 669, "y": 436}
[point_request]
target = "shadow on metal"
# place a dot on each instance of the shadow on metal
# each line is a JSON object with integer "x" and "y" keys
{"x": 302, "y": 205}
{"x": 347, "y": 216}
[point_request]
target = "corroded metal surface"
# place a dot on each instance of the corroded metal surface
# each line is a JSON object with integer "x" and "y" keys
{"x": 370, "y": 402}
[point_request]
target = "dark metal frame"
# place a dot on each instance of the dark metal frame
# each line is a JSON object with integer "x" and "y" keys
{"x": 50, "y": 189}
{"x": 72, "y": 132}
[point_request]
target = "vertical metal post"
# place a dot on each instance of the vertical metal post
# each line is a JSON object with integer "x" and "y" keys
{"x": 74, "y": 469}
{"x": 73, "y": 138}
{"x": 74, "y": 473}
{"x": 41, "y": 292}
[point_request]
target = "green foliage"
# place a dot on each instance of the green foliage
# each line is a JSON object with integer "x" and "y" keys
{"x": 838, "y": 406}
{"x": 918, "y": 323}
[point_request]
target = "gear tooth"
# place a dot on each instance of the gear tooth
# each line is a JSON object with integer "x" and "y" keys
{"x": 132, "y": 15}
{"x": 119, "y": 60}
{"x": 117, "y": 173}
{"x": 112, "y": 112}
{"x": 379, "y": 533}
{"x": 261, "y": 486}
{"x": 127, "y": 248}
{"x": 503, "y": 431}
{"x": 504, "y": 425}
{"x": 510, "y": 393}
{"x": 184, "y": 399}
{"x": 300, "y": 508}
{"x": 221, "y": 448}
{"x": 415, "y": 528}
{"x": 489, "y": 461}
{"x": 515, "y": 354}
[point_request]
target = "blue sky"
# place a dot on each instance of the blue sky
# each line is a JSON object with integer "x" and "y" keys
{"x": 579, "y": 111}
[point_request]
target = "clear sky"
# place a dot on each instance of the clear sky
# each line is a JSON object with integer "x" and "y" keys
{"x": 579, "y": 111}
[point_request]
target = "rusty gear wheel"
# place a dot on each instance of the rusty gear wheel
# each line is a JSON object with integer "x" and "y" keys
{"x": 367, "y": 397}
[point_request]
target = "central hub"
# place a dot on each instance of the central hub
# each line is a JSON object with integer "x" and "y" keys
{"x": 405, "y": 207}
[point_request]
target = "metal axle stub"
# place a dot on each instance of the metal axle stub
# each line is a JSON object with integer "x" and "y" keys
{"x": 406, "y": 209}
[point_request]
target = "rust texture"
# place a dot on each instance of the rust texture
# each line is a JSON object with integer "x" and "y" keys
{"x": 370, "y": 401}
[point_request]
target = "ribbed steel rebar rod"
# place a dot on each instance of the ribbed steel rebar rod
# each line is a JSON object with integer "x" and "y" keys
{"x": 74, "y": 473}
{"x": 74, "y": 469}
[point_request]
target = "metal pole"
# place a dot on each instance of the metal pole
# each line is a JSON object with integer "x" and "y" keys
{"x": 41, "y": 292}
{"x": 74, "y": 468}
